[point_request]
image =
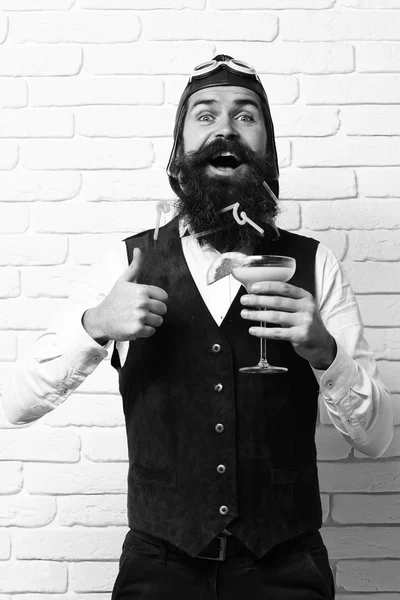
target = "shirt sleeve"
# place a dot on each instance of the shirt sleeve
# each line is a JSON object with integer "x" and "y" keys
{"x": 65, "y": 354}
{"x": 354, "y": 395}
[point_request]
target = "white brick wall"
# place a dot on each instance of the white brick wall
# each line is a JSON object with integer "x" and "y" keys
{"x": 89, "y": 90}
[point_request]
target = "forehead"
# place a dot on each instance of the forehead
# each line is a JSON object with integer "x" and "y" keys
{"x": 224, "y": 95}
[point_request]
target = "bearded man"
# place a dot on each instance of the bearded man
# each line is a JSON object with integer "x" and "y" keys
{"x": 223, "y": 495}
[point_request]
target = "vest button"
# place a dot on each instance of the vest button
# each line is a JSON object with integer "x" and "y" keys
{"x": 221, "y": 469}
{"x": 216, "y": 348}
{"x": 219, "y": 428}
{"x": 223, "y": 510}
{"x": 218, "y": 387}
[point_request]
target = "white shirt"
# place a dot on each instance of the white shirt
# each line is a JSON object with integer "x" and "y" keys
{"x": 351, "y": 389}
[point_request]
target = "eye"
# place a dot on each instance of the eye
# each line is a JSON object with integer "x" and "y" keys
{"x": 245, "y": 118}
{"x": 205, "y": 117}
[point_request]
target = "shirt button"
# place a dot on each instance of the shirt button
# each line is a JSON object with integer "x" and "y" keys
{"x": 219, "y": 428}
{"x": 223, "y": 510}
{"x": 64, "y": 390}
{"x": 221, "y": 469}
{"x": 216, "y": 348}
{"x": 218, "y": 387}
{"x": 329, "y": 384}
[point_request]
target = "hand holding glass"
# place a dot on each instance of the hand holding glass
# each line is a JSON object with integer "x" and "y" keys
{"x": 257, "y": 269}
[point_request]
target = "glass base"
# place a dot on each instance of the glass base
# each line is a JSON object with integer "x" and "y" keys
{"x": 263, "y": 368}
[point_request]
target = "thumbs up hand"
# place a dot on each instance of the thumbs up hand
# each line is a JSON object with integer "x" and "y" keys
{"x": 129, "y": 311}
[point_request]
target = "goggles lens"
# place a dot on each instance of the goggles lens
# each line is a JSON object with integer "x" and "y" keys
{"x": 232, "y": 64}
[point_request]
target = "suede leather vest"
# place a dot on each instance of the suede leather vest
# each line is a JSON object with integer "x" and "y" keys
{"x": 173, "y": 403}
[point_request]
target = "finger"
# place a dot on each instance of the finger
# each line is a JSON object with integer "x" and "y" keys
{"x": 156, "y": 307}
{"x": 272, "y": 302}
{"x": 154, "y": 320}
{"x": 157, "y": 293}
{"x": 272, "y": 333}
{"x": 131, "y": 273}
{"x": 278, "y": 288}
{"x": 270, "y": 316}
{"x": 146, "y": 332}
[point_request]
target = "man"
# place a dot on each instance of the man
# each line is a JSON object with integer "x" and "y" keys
{"x": 223, "y": 496}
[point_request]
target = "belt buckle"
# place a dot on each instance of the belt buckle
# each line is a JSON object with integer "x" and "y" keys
{"x": 221, "y": 550}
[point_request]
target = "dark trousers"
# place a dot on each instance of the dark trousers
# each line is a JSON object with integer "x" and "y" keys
{"x": 152, "y": 570}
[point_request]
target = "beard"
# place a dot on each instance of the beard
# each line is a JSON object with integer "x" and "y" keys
{"x": 201, "y": 196}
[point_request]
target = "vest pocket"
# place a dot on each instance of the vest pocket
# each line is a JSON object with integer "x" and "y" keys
{"x": 148, "y": 475}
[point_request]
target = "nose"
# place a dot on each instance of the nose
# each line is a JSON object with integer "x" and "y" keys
{"x": 226, "y": 128}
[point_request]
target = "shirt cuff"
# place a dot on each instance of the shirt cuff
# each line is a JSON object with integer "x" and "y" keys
{"x": 84, "y": 354}
{"x": 337, "y": 380}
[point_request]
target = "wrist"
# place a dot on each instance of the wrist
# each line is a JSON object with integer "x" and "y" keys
{"x": 324, "y": 357}
{"x": 90, "y": 324}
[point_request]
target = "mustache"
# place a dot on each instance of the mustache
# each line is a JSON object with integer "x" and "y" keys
{"x": 212, "y": 150}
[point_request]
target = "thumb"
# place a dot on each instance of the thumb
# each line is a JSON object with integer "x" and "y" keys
{"x": 131, "y": 273}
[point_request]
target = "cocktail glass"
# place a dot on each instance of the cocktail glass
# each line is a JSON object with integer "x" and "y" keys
{"x": 257, "y": 269}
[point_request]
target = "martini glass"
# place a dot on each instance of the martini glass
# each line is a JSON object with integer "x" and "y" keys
{"x": 256, "y": 269}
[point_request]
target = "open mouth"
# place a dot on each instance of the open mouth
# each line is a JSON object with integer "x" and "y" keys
{"x": 225, "y": 162}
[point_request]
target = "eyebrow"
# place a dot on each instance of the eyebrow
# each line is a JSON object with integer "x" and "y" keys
{"x": 239, "y": 103}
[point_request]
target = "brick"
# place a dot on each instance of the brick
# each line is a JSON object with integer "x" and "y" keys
{"x": 147, "y": 58}
{"x": 368, "y": 576}
{"x": 5, "y": 546}
{"x": 380, "y": 311}
{"x": 87, "y": 91}
{"x": 385, "y": 343}
{"x": 373, "y": 277}
{"x": 339, "y": 26}
{"x": 32, "y": 249}
{"x": 39, "y": 61}
{"x": 379, "y": 182}
{"x": 312, "y": 58}
{"x": 41, "y": 445}
{"x": 36, "y": 123}
{"x": 125, "y": 121}
{"x": 8, "y": 155}
{"x": 68, "y": 544}
{"x": 26, "y": 511}
{"x": 85, "y": 248}
{"x": 38, "y": 5}
{"x": 284, "y": 150}
{"x": 281, "y": 89}
{"x": 9, "y": 282}
{"x": 393, "y": 450}
{"x": 334, "y": 240}
{"x": 92, "y": 511}
{"x": 378, "y": 57}
{"x": 389, "y": 371}
{"x": 330, "y": 444}
{"x": 289, "y": 215}
{"x": 317, "y": 184}
{"x": 368, "y": 4}
{"x": 374, "y": 245}
{"x": 325, "y": 507}
{"x": 272, "y": 4}
{"x": 299, "y": 121}
{"x": 24, "y": 186}
{"x": 11, "y": 479}
{"x": 396, "y": 408}
{"x": 99, "y": 217}
{"x": 23, "y": 313}
{"x": 351, "y": 89}
{"x": 59, "y": 597}
{"x": 76, "y": 479}
{"x": 363, "y": 597}
{"x": 14, "y": 93}
{"x": 105, "y": 446}
{"x": 143, "y": 4}
{"x": 35, "y": 575}
{"x": 93, "y": 577}
{"x": 50, "y": 282}
{"x": 367, "y": 477}
{"x": 370, "y": 120}
{"x": 187, "y": 25}
{"x": 8, "y": 345}
{"x": 362, "y": 542}
{"x": 338, "y": 152}
{"x": 86, "y": 154}
{"x": 103, "y": 410}
{"x": 77, "y": 27}
{"x": 148, "y": 184}
{"x": 356, "y": 214}
{"x": 366, "y": 509}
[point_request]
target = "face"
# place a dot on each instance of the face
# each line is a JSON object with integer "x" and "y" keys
{"x": 226, "y": 113}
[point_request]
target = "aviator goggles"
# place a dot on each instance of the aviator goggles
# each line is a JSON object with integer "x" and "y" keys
{"x": 233, "y": 65}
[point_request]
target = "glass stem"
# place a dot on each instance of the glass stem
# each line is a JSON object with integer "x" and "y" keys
{"x": 263, "y": 347}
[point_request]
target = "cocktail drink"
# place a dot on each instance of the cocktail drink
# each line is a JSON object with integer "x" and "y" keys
{"x": 256, "y": 269}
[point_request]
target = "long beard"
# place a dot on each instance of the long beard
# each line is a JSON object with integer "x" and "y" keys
{"x": 201, "y": 196}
